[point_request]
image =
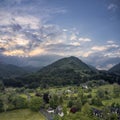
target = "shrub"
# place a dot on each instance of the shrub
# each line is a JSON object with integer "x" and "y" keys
{"x": 35, "y": 104}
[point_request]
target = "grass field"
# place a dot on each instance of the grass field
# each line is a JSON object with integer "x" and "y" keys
{"x": 21, "y": 115}
{"x": 113, "y": 100}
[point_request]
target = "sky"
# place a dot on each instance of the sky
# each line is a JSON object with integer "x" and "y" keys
{"x": 38, "y": 32}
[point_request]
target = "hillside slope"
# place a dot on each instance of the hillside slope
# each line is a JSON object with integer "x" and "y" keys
{"x": 115, "y": 69}
{"x": 8, "y": 70}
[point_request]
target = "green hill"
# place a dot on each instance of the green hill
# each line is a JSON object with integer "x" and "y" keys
{"x": 70, "y": 70}
{"x": 67, "y": 63}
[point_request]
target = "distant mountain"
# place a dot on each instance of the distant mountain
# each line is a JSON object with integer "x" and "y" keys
{"x": 8, "y": 70}
{"x": 100, "y": 62}
{"x": 115, "y": 69}
{"x": 31, "y": 68}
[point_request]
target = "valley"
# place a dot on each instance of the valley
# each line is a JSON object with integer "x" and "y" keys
{"x": 66, "y": 89}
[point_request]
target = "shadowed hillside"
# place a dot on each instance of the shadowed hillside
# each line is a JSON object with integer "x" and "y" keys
{"x": 115, "y": 69}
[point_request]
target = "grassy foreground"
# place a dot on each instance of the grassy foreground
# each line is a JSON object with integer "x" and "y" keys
{"x": 24, "y": 114}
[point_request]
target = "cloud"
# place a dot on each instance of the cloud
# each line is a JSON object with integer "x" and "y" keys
{"x": 2, "y": 49}
{"x": 27, "y": 40}
{"x": 88, "y": 53}
{"x": 112, "y": 46}
{"x": 110, "y": 41}
{"x": 21, "y": 42}
{"x": 113, "y": 53}
{"x": 85, "y": 39}
{"x": 34, "y": 38}
{"x": 23, "y": 27}
{"x": 28, "y": 21}
{"x": 36, "y": 51}
{"x": 73, "y": 36}
{"x": 112, "y": 7}
{"x": 107, "y": 67}
{"x": 99, "y": 48}
{"x": 75, "y": 43}
{"x": 65, "y": 30}
{"x": 107, "y": 47}
{"x": 25, "y": 30}
{"x": 103, "y": 56}
{"x": 14, "y": 53}
{"x": 100, "y": 61}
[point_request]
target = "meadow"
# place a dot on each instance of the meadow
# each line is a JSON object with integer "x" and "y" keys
{"x": 23, "y": 114}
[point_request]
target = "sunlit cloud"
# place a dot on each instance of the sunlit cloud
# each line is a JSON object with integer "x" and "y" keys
{"x": 99, "y": 48}
{"x": 14, "y": 53}
{"x": 21, "y": 42}
{"x": 75, "y": 43}
{"x": 37, "y": 51}
{"x": 84, "y": 39}
{"x": 73, "y": 36}
{"x": 86, "y": 54}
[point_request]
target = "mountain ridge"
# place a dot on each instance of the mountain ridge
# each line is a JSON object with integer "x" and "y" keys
{"x": 66, "y": 71}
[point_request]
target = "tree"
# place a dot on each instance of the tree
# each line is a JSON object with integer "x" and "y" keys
{"x": 56, "y": 117}
{"x": 46, "y": 97}
{"x": 78, "y": 104}
{"x": 82, "y": 97}
{"x": 100, "y": 93}
{"x": 65, "y": 110}
{"x": 19, "y": 102}
{"x": 54, "y": 101}
{"x": 114, "y": 117}
{"x": 35, "y": 104}
{"x": 1, "y": 86}
{"x": 115, "y": 105}
{"x": 86, "y": 109}
{"x": 108, "y": 115}
{"x": 5, "y": 102}
{"x": 116, "y": 90}
{"x": 70, "y": 104}
{"x": 1, "y": 105}
{"x": 60, "y": 99}
{"x": 96, "y": 101}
